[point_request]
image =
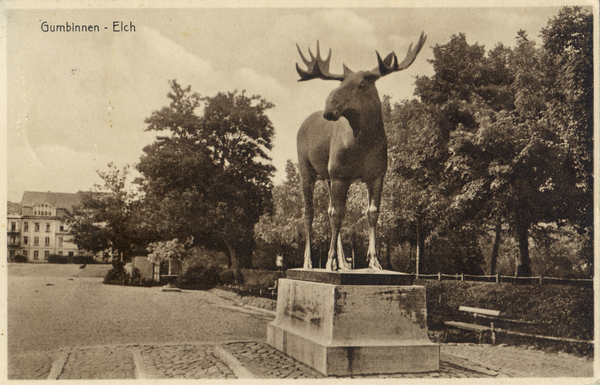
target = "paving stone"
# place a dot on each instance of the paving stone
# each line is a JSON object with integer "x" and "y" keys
{"x": 196, "y": 362}
{"x": 100, "y": 363}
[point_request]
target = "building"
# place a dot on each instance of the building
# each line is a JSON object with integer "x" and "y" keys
{"x": 36, "y": 227}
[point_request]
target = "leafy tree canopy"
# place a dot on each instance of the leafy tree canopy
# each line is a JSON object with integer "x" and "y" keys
{"x": 210, "y": 178}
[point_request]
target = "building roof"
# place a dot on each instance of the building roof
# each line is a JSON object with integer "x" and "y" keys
{"x": 58, "y": 200}
{"x": 13, "y": 208}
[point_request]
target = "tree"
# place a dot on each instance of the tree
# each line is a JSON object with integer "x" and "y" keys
{"x": 168, "y": 251}
{"x": 210, "y": 179}
{"x": 568, "y": 58}
{"x": 416, "y": 156}
{"x": 519, "y": 128}
{"x": 105, "y": 217}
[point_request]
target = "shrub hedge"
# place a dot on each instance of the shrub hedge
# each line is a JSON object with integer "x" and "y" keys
{"x": 200, "y": 278}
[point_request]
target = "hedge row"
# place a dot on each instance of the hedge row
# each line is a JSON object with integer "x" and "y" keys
{"x": 558, "y": 311}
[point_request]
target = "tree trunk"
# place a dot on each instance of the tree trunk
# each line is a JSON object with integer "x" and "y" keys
{"x": 388, "y": 253}
{"x": 410, "y": 256}
{"x": 494, "y": 257}
{"x": 420, "y": 265}
{"x": 235, "y": 265}
{"x": 353, "y": 240}
{"x": 523, "y": 268}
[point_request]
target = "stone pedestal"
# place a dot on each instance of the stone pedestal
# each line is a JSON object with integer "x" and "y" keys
{"x": 352, "y": 325}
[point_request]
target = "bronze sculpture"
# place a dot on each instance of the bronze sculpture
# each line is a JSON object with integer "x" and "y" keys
{"x": 344, "y": 150}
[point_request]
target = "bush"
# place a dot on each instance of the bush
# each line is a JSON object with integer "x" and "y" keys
{"x": 81, "y": 260}
{"x": 55, "y": 258}
{"x": 117, "y": 275}
{"x": 146, "y": 282}
{"x": 20, "y": 258}
{"x": 227, "y": 277}
{"x": 200, "y": 277}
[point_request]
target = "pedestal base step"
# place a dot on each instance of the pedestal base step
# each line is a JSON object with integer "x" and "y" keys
{"x": 409, "y": 357}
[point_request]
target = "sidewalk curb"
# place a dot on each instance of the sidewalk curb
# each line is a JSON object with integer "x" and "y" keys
{"x": 270, "y": 313}
{"x": 139, "y": 369}
{"x": 249, "y": 310}
{"x": 58, "y": 366}
{"x": 236, "y": 367}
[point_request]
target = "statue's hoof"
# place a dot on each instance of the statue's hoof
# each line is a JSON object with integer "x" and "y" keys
{"x": 374, "y": 265}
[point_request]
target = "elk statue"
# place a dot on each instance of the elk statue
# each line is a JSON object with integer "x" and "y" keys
{"x": 344, "y": 143}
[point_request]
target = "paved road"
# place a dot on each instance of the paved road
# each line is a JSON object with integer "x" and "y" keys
{"x": 46, "y": 314}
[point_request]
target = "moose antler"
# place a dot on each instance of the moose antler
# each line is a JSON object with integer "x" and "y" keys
{"x": 317, "y": 67}
{"x": 390, "y": 63}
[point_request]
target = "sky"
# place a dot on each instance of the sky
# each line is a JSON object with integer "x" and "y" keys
{"x": 77, "y": 101}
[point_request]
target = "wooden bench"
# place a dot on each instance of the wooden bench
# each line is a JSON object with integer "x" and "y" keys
{"x": 474, "y": 327}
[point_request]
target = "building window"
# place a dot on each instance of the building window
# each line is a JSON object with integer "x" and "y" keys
{"x": 47, "y": 227}
{"x": 13, "y": 226}
{"x": 46, "y": 254}
{"x": 60, "y": 241}
{"x": 36, "y": 241}
{"x": 25, "y": 226}
{"x": 60, "y": 253}
{"x": 36, "y": 254}
{"x": 25, "y": 253}
{"x": 37, "y": 226}
{"x": 47, "y": 241}
{"x": 43, "y": 210}
{"x": 62, "y": 228}
{"x": 25, "y": 240}
{"x": 70, "y": 253}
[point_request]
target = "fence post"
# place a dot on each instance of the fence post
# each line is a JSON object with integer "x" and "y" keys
{"x": 541, "y": 279}
{"x": 497, "y": 278}
{"x": 439, "y": 276}
{"x": 462, "y": 277}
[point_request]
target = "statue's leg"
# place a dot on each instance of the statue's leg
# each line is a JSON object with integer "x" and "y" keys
{"x": 343, "y": 265}
{"x": 308, "y": 179}
{"x": 338, "y": 190}
{"x": 374, "y": 188}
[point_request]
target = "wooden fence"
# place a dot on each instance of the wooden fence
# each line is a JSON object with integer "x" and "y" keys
{"x": 541, "y": 280}
{"x": 271, "y": 292}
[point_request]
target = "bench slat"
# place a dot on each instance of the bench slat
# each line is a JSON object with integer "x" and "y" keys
{"x": 467, "y": 326}
{"x": 494, "y": 313}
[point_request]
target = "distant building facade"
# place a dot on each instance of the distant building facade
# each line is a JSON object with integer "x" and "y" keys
{"x": 36, "y": 227}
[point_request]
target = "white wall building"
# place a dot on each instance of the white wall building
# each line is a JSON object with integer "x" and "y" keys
{"x": 36, "y": 227}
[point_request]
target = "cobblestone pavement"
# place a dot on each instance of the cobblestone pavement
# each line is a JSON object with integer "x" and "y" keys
{"x": 267, "y": 362}
{"x": 100, "y": 363}
{"x": 255, "y": 359}
{"x": 183, "y": 362}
